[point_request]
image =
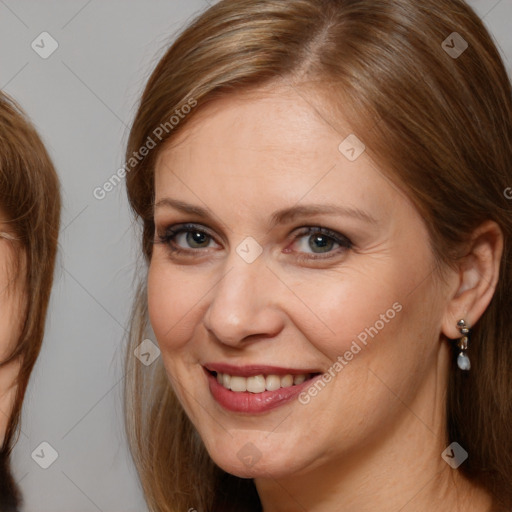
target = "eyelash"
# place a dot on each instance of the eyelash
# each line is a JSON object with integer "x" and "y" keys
{"x": 173, "y": 231}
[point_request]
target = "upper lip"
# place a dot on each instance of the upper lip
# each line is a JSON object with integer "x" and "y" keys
{"x": 256, "y": 369}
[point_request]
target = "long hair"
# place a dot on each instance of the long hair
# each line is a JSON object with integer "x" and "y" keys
{"x": 30, "y": 203}
{"x": 425, "y": 89}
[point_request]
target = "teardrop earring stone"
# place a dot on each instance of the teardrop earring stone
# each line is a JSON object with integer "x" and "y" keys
{"x": 463, "y": 362}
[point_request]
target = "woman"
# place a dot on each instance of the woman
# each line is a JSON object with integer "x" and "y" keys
{"x": 29, "y": 227}
{"x": 326, "y": 246}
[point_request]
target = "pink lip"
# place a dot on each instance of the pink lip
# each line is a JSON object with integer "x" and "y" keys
{"x": 252, "y": 370}
{"x": 253, "y": 403}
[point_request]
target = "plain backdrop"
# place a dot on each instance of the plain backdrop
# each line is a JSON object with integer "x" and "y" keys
{"x": 82, "y": 99}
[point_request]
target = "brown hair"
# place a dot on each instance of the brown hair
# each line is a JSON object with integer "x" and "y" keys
{"x": 30, "y": 202}
{"x": 440, "y": 123}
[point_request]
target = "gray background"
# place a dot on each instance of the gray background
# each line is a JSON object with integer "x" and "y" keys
{"x": 82, "y": 100}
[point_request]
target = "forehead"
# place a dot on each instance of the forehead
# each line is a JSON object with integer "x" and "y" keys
{"x": 266, "y": 146}
{"x": 277, "y": 120}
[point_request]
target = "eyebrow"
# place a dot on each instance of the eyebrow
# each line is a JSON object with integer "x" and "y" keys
{"x": 278, "y": 217}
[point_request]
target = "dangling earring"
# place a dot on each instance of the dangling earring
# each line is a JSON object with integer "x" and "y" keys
{"x": 462, "y": 359}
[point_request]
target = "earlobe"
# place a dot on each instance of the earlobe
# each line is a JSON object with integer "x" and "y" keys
{"x": 478, "y": 273}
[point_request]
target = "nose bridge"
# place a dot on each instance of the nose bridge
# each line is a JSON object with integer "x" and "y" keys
{"x": 242, "y": 302}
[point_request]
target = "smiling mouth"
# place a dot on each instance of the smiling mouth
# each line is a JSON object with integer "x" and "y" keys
{"x": 260, "y": 383}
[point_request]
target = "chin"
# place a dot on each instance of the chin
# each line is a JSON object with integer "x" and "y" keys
{"x": 261, "y": 469}
{"x": 248, "y": 461}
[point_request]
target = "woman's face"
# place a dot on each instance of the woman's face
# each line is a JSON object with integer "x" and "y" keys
{"x": 300, "y": 258}
{"x": 10, "y": 322}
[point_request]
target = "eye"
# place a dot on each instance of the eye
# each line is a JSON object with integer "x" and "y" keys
{"x": 312, "y": 242}
{"x": 320, "y": 241}
{"x": 185, "y": 238}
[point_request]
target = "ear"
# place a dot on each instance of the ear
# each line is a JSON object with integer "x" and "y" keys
{"x": 477, "y": 277}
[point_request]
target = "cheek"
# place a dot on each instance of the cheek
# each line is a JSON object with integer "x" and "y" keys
{"x": 337, "y": 310}
{"x": 11, "y": 313}
{"x": 353, "y": 310}
{"x": 13, "y": 298}
{"x": 8, "y": 375}
{"x": 174, "y": 299}
{"x": 370, "y": 316}
{"x": 11, "y": 316}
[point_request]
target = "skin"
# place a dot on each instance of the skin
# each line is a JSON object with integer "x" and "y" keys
{"x": 373, "y": 437}
{"x": 11, "y": 301}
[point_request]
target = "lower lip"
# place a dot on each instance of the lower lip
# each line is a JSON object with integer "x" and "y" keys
{"x": 254, "y": 402}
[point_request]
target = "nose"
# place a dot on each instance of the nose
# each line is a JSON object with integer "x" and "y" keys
{"x": 245, "y": 303}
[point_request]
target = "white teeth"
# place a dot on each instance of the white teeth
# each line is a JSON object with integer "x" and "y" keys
{"x": 286, "y": 381}
{"x": 256, "y": 384}
{"x": 259, "y": 383}
{"x": 273, "y": 382}
{"x": 238, "y": 383}
{"x": 226, "y": 379}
